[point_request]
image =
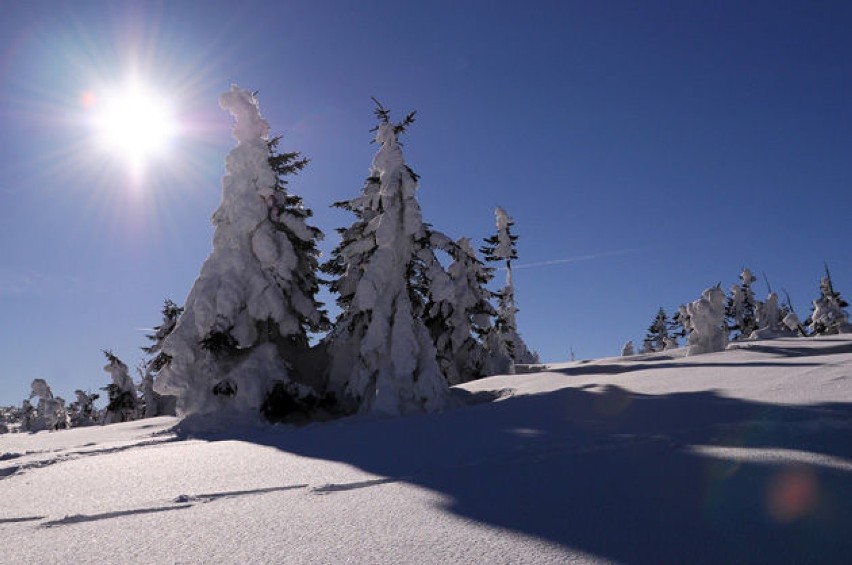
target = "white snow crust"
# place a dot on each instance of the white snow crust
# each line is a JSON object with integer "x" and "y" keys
{"x": 737, "y": 456}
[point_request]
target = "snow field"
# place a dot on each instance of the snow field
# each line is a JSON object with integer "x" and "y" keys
{"x": 737, "y": 456}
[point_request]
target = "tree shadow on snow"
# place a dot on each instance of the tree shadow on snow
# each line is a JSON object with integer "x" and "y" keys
{"x": 618, "y": 474}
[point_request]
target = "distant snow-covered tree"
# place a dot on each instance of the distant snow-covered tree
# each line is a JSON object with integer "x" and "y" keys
{"x": 381, "y": 356}
{"x": 82, "y": 411}
{"x": 657, "y": 337}
{"x": 28, "y": 416}
{"x": 500, "y": 247}
{"x": 741, "y": 308}
{"x": 249, "y": 312}
{"x": 121, "y": 392}
{"x": 50, "y": 414}
{"x": 628, "y": 349}
{"x": 829, "y": 314}
{"x": 706, "y": 315}
{"x": 770, "y": 319}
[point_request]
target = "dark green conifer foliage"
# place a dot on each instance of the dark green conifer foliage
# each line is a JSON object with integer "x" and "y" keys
{"x": 658, "y": 331}
{"x": 305, "y": 244}
{"x": 171, "y": 312}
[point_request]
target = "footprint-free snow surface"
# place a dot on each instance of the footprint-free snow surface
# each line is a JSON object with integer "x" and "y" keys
{"x": 739, "y": 456}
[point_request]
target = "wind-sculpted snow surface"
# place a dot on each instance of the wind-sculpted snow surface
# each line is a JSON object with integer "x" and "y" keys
{"x": 741, "y": 456}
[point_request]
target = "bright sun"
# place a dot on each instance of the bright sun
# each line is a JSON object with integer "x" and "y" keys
{"x": 132, "y": 123}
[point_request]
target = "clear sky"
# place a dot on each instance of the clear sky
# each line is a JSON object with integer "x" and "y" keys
{"x": 646, "y": 150}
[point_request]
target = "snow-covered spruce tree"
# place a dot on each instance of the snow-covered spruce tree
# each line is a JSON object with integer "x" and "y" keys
{"x": 658, "y": 332}
{"x": 770, "y": 319}
{"x": 741, "y": 308}
{"x": 460, "y": 324}
{"x": 500, "y": 247}
{"x": 790, "y": 319}
{"x": 707, "y": 332}
{"x": 82, "y": 411}
{"x": 382, "y": 358}
{"x": 121, "y": 393}
{"x": 829, "y": 315}
{"x": 250, "y": 310}
{"x": 50, "y": 413}
{"x": 628, "y": 349}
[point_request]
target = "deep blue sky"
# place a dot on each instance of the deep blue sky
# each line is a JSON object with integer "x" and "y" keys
{"x": 663, "y": 145}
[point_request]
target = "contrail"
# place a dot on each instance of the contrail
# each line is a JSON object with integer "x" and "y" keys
{"x": 574, "y": 259}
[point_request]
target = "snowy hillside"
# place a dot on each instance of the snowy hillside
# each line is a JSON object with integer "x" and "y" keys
{"x": 739, "y": 456}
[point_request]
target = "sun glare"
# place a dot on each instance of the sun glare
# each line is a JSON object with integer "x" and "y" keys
{"x": 132, "y": 123}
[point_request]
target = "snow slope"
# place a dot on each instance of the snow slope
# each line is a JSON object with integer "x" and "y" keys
{"x": 738, "y": 456}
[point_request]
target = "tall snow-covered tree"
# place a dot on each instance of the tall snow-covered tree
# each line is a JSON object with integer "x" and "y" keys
{"x": 742, "y": 306}
{"x": 829, "y": 314}
{"x": 382, "y": 358}
{"x": 248, "y": 313}
{"x": 500, "y": 247}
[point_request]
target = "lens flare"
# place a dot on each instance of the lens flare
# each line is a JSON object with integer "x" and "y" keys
{"x": 792, "y": 494}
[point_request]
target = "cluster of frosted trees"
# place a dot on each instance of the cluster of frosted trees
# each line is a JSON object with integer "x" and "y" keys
{"x": 126, "y": 400}
{"x": 712, "y": 321}
{"x": 42, "y": 410}
{"x": 408, "y": 327}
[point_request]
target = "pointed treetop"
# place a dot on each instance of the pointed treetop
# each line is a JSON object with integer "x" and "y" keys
{"x": 249, "y": 125}
{"x": 504, "y": 220}
{"x": 383, "y": 115}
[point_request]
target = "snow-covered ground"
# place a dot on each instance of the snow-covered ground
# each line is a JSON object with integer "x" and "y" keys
{"x": 739, "y": 456}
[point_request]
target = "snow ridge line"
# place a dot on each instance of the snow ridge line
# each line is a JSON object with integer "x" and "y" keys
{"x": 185, "y": 501}
{"x": 6, "y": 472}
{"x": 341, "y": 487}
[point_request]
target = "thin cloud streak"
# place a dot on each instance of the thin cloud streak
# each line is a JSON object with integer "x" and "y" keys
{"x": 577, "y": 259}
{"x": 30, "y": 282}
